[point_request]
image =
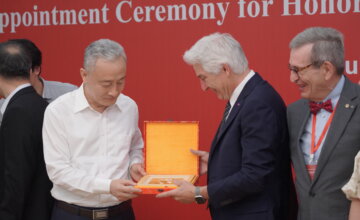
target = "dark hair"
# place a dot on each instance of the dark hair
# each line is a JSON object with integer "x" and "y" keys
{"x": 32, "y": 49}
{"x": 15, "y": 62}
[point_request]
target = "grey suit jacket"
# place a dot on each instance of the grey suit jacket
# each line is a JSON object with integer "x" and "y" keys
{"x": 322, "y": 198}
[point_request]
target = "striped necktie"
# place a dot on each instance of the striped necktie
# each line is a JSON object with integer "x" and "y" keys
{"x": 226, "y": 112}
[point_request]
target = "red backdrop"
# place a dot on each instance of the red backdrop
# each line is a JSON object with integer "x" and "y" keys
{"x": 156, "y": 33}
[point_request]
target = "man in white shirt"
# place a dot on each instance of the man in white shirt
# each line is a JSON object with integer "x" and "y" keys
{"x": 49, "y": 90}
{"x": 92, "y": 143}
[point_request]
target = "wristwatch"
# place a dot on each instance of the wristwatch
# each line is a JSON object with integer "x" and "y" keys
{"x": 199, "y": 199}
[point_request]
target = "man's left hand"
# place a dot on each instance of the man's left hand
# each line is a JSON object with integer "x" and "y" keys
{"x": 137, "y": 171}
{"x": 185, "y": 193}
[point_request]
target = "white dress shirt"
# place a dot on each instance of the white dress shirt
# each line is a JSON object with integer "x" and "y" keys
{"x": 84, "y": 149}
{"x": 239, "y": 89}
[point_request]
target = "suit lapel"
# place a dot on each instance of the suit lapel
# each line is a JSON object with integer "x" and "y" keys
{"x": 250, "y": 85}
{"x": 344, "y": 110}
{"x": 302, "y": 117}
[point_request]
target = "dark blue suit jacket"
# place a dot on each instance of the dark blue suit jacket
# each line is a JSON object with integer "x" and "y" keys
{"x": 24, "y": 183}
{"x": 249, "y": 166}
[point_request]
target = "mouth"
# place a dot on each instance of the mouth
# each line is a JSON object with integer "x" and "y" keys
{"x": 301, "y": 87}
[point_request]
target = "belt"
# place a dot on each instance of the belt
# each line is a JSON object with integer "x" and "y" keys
{"x": 94, "y": 213}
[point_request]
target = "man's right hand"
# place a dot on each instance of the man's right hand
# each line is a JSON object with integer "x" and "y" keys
{"x": 123, "y": 189}
{"x": 204, "y": 157}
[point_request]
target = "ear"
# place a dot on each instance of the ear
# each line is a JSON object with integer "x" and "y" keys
{"x": 37, "y": 70}
{"x": 226, "y": 69}
{"x": 328, "y": 69}
{"x": 83, "y": 74}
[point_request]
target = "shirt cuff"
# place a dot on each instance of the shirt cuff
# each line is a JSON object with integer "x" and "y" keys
{"x": 136, "y": 160}
{"x": 102, "y": 186}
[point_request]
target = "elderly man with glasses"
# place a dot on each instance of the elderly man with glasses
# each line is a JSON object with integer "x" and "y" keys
{"x": 324, "y": 125}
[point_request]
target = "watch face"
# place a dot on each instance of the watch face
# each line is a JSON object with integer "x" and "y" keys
{"x": 200, "y": 200}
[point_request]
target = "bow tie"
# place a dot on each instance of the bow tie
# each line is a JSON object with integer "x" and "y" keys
{"x": 315, "y": 107}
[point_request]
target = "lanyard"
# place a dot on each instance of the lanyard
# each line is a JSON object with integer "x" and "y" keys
{"x": 314, "y": 147}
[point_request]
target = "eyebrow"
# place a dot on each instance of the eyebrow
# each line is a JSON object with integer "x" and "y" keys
{"x": 106, "y": 81}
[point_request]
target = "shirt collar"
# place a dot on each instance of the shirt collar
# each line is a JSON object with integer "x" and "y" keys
{"x": 335, "y": 93}
{"x": 44, "y": 83}
{"x": 8, "y": 98}
{"x": 82, "y": 103}
{"x": 240, "y": 88}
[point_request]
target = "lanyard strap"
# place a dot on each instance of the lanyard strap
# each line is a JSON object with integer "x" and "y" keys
{"x": 314, "y": 147}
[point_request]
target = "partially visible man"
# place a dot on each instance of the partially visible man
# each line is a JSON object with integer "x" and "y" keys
{"x": 92, "y": 143}
{"x": 324, "y": 125}
{"x": 49, "y": 90}
{"x": 249, "y": 162}
{"x": 24, "y": 183}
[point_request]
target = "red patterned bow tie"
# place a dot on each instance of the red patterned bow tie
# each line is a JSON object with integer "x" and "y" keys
{"x": 315, "y": 107}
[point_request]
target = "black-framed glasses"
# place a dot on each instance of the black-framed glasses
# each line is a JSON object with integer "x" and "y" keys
{"x": 297, "y": 70}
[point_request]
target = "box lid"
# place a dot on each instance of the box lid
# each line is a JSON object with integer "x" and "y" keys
{"x": 167, "y": 147}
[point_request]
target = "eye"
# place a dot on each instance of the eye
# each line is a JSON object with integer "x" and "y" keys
{"x": 106, "y": 85}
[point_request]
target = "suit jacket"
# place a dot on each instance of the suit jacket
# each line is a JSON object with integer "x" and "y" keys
{"x": 24, "y": 184}
{"x": 249, "y": 161}
{"x": 322, "y": 198}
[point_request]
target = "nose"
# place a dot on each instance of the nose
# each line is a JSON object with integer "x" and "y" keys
{"x": 203, "y": 85}
{"x": 293, "y": 76}
{"x": 114, "y": 91}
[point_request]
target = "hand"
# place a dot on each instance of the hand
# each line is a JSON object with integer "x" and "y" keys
{"x": 185, "y": 193}
{"x": 123, "y": 189}
{"x": 137, "y": 171}
{"x": 204, "y": 157}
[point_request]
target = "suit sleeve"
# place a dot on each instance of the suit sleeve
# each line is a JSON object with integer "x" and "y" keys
{"x": 260, "y": 130}
{"x": 22, "y": 143}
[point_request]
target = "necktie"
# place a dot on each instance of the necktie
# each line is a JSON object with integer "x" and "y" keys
{"x": 226, "y": 111}
{"x": 315, "y": 107}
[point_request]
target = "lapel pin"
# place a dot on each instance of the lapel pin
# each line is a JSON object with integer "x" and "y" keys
{"x": 347, "y": 105}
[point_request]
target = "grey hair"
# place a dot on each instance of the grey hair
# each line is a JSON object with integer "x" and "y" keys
{"x": 214, "y": 50}
{"x": 328, "y": 45}
{"x": 104, "y": 49}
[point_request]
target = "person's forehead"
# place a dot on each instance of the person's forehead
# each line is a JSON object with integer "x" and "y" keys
{"x": 301, "y": 54}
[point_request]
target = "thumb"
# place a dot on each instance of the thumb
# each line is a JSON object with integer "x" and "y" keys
{"x": 196, "y": 152}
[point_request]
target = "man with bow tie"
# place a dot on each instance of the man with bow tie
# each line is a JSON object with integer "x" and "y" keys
{"x": 324, "y": 126}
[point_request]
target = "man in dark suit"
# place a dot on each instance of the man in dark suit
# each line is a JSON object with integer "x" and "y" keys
{"x": 249, "y": 162}
{"x": 324, "y": 126}
{"x": 24, "y": 184}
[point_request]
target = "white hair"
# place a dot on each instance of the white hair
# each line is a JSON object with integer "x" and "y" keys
{"x": 214, "y": 50}
{"x": 104, "y": 49}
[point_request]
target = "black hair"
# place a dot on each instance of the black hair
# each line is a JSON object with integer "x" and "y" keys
{"x": 32, "y": 49}
{"x": 15, "y": 62}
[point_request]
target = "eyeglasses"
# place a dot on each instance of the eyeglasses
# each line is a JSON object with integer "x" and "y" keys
{"x": 297, "y": 70}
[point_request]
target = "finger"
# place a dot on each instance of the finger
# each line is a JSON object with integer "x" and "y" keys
{"x": 170, "y": 193}
{"x": 142, "y": 171}
{"x": 128, "y": 183}
{"x": 125, "y": 197}
{"x": 179, "y": 182}
{"x": 198, "y": 152}
{"x": 133, "y": 190}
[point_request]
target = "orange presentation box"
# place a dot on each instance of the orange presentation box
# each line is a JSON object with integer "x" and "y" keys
{"x": 168, "y": 156}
